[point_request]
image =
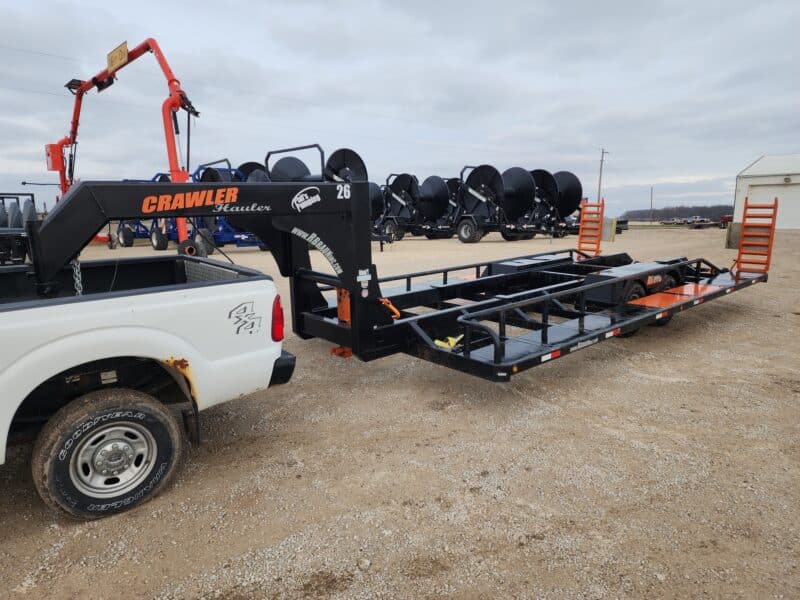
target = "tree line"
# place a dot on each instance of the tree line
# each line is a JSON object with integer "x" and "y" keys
{"x": 662, "y": 214}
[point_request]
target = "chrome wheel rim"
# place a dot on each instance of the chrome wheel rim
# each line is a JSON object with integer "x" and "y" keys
{"x": 113, "y": 460}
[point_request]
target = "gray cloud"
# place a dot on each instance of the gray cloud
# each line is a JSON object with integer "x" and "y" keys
{"x": 683, "y": 94}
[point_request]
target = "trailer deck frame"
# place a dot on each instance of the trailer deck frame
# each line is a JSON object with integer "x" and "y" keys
{"x": 491, "y": 319}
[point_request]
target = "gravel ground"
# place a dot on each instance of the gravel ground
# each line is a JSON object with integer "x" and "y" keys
{"x": 664, "y": 465}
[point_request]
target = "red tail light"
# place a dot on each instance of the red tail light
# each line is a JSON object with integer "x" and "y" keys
{"x": 277, "y": 319}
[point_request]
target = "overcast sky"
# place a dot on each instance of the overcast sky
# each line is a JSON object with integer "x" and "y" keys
{"x": 683, "y": 94}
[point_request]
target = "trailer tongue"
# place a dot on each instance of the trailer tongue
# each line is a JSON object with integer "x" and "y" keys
{"x": 490, "y": 319}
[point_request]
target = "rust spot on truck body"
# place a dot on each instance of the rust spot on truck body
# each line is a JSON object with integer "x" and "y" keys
{"x": 178, "y": 363}
{"x": 181, "y": 365}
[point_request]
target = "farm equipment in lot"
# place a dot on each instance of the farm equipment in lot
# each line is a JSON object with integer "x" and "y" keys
{"x": 15, "y": 210}
{"x": 492, "y": 319}
{"x": 517, "y": 203}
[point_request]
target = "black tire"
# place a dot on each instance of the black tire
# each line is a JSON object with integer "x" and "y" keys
{"x": 14, "y": 216}
{"x": 191, "y": 248}
{"x": 158, "y": 240}
{"x": 667, "y": 283}
{"x": 635, "y": 292}
{"x": 139, "y": 433}
{"x": 511, "y": 237}
{"x": 263, "y": 247}
{"x": 29, "y": 211}
{"x": 207, "y": 238}
{"x": 529, "y": 236}
{"x": 468, "y": 232}
{"x": 393, "y": 231}
{"x": 125, "y": 236}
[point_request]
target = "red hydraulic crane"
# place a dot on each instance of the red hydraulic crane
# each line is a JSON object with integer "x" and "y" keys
{"x": 61, "y": 155}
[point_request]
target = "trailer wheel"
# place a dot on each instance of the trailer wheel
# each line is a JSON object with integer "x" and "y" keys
{"x": 529, "y": 236}
{"x": 190, "y": 248}
{"x": 207, "y": 238}
{"x": 667, "y": 283}
{"x": 125, "y": 236}
{"x": 511, "y": 237}
{"x": 14, "y": 216}
{"x": 158, "y": 240}
{"x": 468, "y": 232}
{"x": 392, "y": 231}
{"x": 105, "y": 453}
{"x": 635, "y": 292}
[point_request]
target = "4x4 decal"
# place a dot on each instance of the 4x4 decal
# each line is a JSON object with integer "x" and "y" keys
{"x": 245, "y": 319}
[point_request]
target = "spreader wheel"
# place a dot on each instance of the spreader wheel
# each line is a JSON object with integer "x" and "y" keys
{"x": 125, "y": 236}
{"x": 158, "y": 240}
{"x": 468, "y": 232}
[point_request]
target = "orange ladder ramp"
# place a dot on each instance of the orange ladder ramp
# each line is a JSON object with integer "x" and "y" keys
{"x": 590, "y": 232}
{"x": 757, "y": 237}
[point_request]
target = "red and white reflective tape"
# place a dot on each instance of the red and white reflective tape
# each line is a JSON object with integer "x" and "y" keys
{"x": 613, "y": 332}
{"x": 661, "y": 315}
{"x": 728, "y": 290}
{"x": 698, "y": 301}
{"x": 553, "y": 354}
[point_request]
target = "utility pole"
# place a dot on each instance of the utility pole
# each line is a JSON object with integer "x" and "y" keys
{"x": 603, "y": 153}
{"x": 651, "y": 205}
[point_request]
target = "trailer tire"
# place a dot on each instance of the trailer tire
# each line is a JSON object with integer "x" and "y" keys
{"x": 127, "y": 433}
{"x": 511, "y": 237}
{"x": 14, "y": 216}
{"x": 125, "y": 236}
{"x": 635, "y": 292}
{"x": 392, "y": 231}
{"x": 667, "y": 283}
{"x": 191, "y": 248}
{"x": 207, "y": 238}
{"x": 468, "y": 232}
{"x": 158, "y": 240}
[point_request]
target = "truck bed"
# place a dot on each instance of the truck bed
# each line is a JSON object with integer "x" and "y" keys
{"x": 120, "y": 277}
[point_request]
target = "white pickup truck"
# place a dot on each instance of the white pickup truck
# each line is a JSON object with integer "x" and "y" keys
{"x": 111, "y": 381}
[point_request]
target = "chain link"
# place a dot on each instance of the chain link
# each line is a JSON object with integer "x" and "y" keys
{"x": 77, "y": 276}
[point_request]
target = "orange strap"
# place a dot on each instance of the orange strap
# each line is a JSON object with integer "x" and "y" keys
{"x": 388, "y": 304}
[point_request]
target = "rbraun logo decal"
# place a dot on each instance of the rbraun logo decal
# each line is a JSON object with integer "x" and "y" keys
{"x": 216, "y": 197}
{"x": 580, "y": 345}
{"x": 313, "y": 239}
{"x": 245, "y": 319}
{"x": 305, "y": 198}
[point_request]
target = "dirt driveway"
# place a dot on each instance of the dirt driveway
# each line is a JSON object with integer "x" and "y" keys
{"x": 664, "y": 465}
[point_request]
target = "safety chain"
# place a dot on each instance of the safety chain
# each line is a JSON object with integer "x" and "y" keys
{"x": 77, "y": 276}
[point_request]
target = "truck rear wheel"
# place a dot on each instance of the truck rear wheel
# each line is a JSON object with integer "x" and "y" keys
{"x": 105, "y": 453}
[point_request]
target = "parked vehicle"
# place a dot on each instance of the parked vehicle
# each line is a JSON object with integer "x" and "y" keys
{"x": 111, "y": 367}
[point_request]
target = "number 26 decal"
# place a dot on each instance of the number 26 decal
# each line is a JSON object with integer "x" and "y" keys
{"x": 343, "y": 191}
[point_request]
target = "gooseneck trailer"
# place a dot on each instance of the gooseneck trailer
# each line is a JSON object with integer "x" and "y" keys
{"x": 491, "y": 319}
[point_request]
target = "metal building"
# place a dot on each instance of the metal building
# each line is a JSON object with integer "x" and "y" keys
{"x": 771, "y": 176}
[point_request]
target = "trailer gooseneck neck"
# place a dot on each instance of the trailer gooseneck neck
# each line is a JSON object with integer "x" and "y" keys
{"x": 492, "y": 319}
